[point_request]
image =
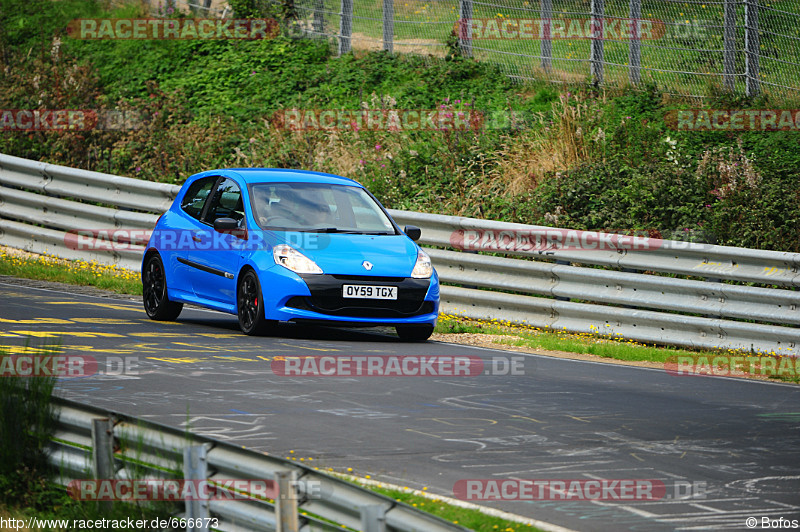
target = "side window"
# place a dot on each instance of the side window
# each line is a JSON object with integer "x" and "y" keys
{"x": 196, "y": 196}
{"x": 226, "y": 203}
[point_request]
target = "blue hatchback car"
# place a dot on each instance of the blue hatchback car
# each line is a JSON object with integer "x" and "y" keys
{"x": 274, "y": 245}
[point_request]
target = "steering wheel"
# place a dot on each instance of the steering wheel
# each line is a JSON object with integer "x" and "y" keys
{"x": 280, "y": 221}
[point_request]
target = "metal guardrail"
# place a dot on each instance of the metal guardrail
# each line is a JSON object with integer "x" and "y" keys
{"x": 611, "y": 289}
{"x": 142, "y": 450}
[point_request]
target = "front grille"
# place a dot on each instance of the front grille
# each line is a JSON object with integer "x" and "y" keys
{"x": 303, "y": 303}
{"x": 326, "y": 297}
{"x": 368, "y": 279}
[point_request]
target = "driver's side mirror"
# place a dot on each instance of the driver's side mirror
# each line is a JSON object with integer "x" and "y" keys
{"x": 413, "y": 232}
{"x": 225, "y": 224}
{"x": 231, "y": 226}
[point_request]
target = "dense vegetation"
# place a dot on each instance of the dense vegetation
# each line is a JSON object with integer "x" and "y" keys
{"x": 572, "y": 156}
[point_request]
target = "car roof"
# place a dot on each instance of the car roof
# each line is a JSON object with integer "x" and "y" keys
{"x": 280, "y": 175}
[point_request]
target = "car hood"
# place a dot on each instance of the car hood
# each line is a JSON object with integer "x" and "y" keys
{"x": 342, "y": 254}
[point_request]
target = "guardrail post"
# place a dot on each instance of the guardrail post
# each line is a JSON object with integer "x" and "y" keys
{"x": 373, "y": 518}
{"x": 103, "y": 453}
{"x": 345, "y": 26}
{"x": 635, "y": 49}
{"x": 286, "y": 503}
{"x": 195, "y": 467}
{"x": 388, "y": 25}
{"x": 597, "y": 47}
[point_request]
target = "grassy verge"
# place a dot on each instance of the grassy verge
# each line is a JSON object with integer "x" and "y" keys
{"x": 78, "y": 272}
{"x": 468, "y": 517}
{"x": 600, "y": 344}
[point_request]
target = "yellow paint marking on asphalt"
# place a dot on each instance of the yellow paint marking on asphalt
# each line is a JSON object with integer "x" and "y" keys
{"x": 579, "y": 419}
{"x": 104, "y": 321}
{"x": 527, "y": 418}
{"x": 101, "y": 305}
{"x": 640, "y": 459}
{"x": 311, "y": 348}
{"x": 209, "y": 349}
{"x": 459, "y": 422}
{"x": 175, "y": 360}
{"x": 4, "y": 334}
{"x": 206, "y": 347}
{"x": 78, "y": 334}
{"x": 236, "y": 359}
{"x": 220, "y": 335}
{"x": 268, "y": 359}
{"x": 159, "y": 334}
{"x": 94, "y": 349}
{"x": 38, "y": 321}
{"x": 28, "y": 350}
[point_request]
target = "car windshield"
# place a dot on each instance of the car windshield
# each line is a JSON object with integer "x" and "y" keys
{"x": 318, "y": 207}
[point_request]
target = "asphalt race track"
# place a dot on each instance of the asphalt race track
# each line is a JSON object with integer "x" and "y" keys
{"x": 734, "y": 443}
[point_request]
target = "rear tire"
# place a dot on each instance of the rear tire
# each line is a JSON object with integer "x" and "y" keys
{"x": 250, "y": 306}
{"x": 154, "y": 292}
{"x": 414, "y": 333}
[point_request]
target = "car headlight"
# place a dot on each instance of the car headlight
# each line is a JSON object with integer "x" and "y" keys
{"x": 423, "y": 268}
{"x": 291, "y": 259}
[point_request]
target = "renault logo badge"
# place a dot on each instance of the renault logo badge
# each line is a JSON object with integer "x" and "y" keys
{"x": 367, "y": 265}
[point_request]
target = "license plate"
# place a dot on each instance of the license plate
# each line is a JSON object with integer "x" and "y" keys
{"x": 361, "y": 291}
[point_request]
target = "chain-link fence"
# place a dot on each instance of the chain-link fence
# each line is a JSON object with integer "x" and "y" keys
{"x": 685, "y": 46}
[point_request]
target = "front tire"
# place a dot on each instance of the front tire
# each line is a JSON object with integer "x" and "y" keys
{"x": 154, "y": 292}
{"x": 250, "y": 306}
{"x": 414, "y": 333}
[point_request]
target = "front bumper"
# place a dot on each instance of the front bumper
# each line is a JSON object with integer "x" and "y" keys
{"x": 417, "y": 302}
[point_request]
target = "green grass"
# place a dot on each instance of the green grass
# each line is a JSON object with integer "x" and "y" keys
{"x": 467, "y": 517}
{"x": 598, "y": 344}
{"x": 78, "y": 272}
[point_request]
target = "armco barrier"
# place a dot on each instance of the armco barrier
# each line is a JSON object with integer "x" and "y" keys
{"x": 580, "y": 290}
{"x": 140, "y": 450}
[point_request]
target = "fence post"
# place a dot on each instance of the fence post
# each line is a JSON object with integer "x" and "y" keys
{"x": 286, "y": 503}
{"x": 546, "y": 50}
{"x": 195, "y": 467}
{"x": 598, "y": 40}
{"x": 319, "y": 17}
{"x": 103, "y": 453}
{"x": 373, "y": 518}
{"x": 464, "y": 25}
{"x": 635, "y": 50}
{"x": 388, "y": 25}
{"x": 751, "y": 45}
{"x": 345, "y": 26}
{"x": 729, "y": 58}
